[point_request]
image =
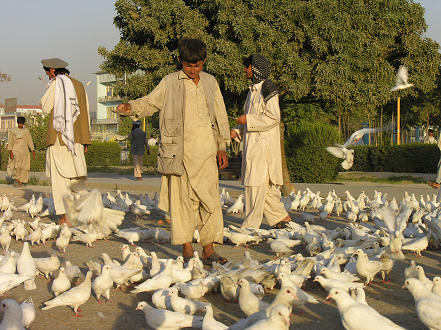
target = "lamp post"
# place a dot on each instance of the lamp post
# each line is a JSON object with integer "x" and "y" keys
{"x": 398, "y": 121}
{"x": 401, "y": 83}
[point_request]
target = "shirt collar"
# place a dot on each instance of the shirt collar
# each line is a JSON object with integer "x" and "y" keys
{"x": 182, "y": 75}
{"x": 256, "y": 87}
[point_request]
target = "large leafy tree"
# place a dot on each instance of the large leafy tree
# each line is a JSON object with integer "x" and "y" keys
{"x": 336, "y": 57}
{"x": 4, "y": 77}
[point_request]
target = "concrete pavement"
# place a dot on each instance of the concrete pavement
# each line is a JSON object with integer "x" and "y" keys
{"x": 109, "y": 181}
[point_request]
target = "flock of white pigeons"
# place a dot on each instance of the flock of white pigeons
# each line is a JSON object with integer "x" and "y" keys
{"x": 372, "y": 238}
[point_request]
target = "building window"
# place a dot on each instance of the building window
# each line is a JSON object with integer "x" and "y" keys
{"x": 110, "y": 114}
{"x": 109, "y": 91}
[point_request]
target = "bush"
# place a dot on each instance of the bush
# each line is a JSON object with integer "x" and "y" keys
{"x": 410, "y": 158}
{"x": 306, "y": 157}
{"x": 37, "y": 165}
{"x": 103, "y": 154}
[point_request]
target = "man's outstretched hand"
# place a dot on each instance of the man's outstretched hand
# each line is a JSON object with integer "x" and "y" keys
{"x": 222, "y": 159}
{"x": 124, "y": 109}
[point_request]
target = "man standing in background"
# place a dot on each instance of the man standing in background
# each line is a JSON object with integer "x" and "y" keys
{"x": 261, "y": 156}
{"x": 19, "y": 144}
{"x": 68, "y": 134}
{"x": 138, "y": 143}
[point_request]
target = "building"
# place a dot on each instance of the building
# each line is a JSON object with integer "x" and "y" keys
{"x": 106, "y": 121}
{"x": 9, "y": 119}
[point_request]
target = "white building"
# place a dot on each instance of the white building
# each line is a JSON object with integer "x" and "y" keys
{"x": 106, "y": 121}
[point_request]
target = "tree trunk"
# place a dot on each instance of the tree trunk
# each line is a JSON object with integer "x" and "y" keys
{"x": 287, "y": 185}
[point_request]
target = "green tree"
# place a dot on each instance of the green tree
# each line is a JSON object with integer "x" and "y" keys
{"x": 37, "y": 126}
{"x": 4, "y": 77}
{"x": 338, "y": 56}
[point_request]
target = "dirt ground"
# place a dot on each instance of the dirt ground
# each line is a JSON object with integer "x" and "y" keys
{"x": 389, "y": 299}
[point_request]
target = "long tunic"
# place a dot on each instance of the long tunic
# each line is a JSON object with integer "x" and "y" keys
{"x": 261, "y": 139}
{"x": 193, "y": 198}
{"x": 20, "y": 143}
{"x": 63, "y": 168}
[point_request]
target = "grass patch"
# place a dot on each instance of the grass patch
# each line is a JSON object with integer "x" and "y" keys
{"x": 402, "y": 179}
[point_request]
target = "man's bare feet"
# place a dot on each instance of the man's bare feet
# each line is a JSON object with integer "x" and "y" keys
{"x": 65, "y": 220}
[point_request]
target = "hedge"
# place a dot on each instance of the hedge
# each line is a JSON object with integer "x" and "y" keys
{"x": 306, "y": 157}
{"x": 407, "y": 158}
{"x": 103, "y": 154}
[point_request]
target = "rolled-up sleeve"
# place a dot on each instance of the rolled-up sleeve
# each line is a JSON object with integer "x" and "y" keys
{"x": 223, "y": 138}
{"x": 266, "y": 120}
{"x": 148, "y": 105}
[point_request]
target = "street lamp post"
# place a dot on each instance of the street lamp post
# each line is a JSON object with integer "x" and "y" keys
{"x": 401, "y": 83}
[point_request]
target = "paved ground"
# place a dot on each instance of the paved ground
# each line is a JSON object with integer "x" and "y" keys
{"x": 389, "y": 299}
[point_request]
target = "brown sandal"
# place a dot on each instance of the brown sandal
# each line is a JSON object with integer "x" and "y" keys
{"x": 214, "y": 257}
{"x": 433, "y": 184}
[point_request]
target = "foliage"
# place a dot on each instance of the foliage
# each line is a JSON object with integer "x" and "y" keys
{"x": 307, "y": 159}
{"x": 124, "y": 126}
{"x": 37, "y": 126}
{"x": 103, "y": 154}
{"x": 408, "y": 158}
{"x": 342, "y": 55}
{"x": 4, "y": 77}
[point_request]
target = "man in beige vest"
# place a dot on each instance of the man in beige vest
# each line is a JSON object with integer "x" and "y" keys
{"x": 19, "y": 144}
{"x": 261, "y": 155}
{"x": 68, "y": 133}
{"x": 194, "y": 131}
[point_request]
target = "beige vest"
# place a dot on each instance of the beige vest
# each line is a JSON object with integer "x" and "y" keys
{"x": 171, "y": 121}
{"x": 81, "y": 125}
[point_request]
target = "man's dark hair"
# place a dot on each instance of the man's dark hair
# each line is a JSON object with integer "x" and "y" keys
{"x": 431, "y": 131}
{"x": 57, "y": 71}
{"x": 192, "y": 50}
{"x": 21, "y": 120}
{"x": 247, "y": 61}
{"x": 151, "y": 135}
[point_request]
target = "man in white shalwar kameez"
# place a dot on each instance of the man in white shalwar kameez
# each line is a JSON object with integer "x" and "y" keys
{"x": 194, "y": 131}
{"x": 68, "y": 133}
{"x": 437, "y": 183}
{"x": 261, "y": 155}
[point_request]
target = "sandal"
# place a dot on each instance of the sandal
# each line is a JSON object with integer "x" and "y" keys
{"x": 214, "y": 257}
{"x": 281, "y": 225}
{"x": 433, "y": 184}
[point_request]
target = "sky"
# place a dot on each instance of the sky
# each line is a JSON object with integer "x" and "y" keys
{"x": 31, "y": 30}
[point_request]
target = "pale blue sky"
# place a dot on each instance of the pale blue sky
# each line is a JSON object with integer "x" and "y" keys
{"x": 31, "y": 30}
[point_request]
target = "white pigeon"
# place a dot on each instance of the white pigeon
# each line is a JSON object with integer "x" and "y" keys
{"x": 401, "y": 79}
{"x": 184, "y": 305}
{"x": 209, "y": 322}
{"x": 61, "y": 283}
{"x": 427, "y": 304}
{"x": 26, "y": 266}
{"x": 103, "y": 283}
{"x": 248, "y": 302}
{"x": 63, "y": 239}
{"x": 28, "y": 310}
{"x": 237, "y": 206}
{"x": 10, "y": 281}
{"x": 278, "y": 320}
{"x": 12, "y": 315}
{"x": 329, "y": 284}
{"x": 48, "y": 265}
{"x": 161, "y": 280}
{"x": 74, "y": 298}
{"x": 72, "y": 271}
{"x": 352, "y": 313}
{"x": 341, "y": 152}
{"x": 365, "y": 267}
{"x": 163, "y": 319}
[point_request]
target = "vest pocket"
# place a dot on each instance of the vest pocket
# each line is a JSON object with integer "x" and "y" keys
{"x": 169, "y": 159}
